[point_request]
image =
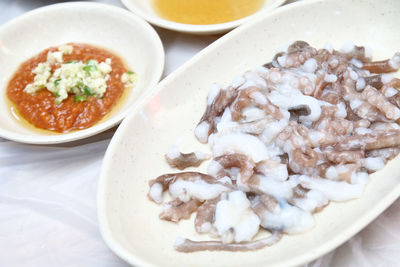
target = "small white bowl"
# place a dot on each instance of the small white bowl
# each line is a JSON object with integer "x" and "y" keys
{"x": 144, "y": 9}
{"x": 129, "y": 221}
{"x": 112, "y": 28}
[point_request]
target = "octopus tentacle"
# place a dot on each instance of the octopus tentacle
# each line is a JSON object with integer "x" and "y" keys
{"x": 340, "y": 157}
{"x": 382, "y": 66}
{"x": 377, "y": 99}
{"x": 205, "y": 215}
{"x": 298, "y": 53}
{"x": 287, "y": 138}
{"x": 163, "y": 182}
{"x": 374, "y": 81}
{"x": 256, "y": 96}
{"x": 182, "y": 161}
{"x": 303, "y": 161}
{"x": 370, "y": 141}
{"x": 177, "y": 210}
{"x": 187, "y": 245}
{"x": 206, "y": 126}
{"x": 358, "y": 52}
{"x": 244, "y": 162}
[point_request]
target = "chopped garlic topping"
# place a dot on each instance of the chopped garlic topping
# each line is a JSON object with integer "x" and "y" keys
{"x": 43, "y": 72}
{"x": 54, "y": 57}
{"x": 82, "y": 79}
{"x": 66, "y": 49}
{"x": 129, "y": 78}
{"x": 85, "y": 79}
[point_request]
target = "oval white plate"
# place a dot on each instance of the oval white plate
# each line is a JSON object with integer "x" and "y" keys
{"x": 144, "y": 9}
{"x": 112, "y": 28}
{"x": 129, "y": 221}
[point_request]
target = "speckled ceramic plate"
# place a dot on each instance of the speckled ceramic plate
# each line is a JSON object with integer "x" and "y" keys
{"x": 129, "y": 221}
{"x": 112, "y": 28}
{"x": 144, "y": 9}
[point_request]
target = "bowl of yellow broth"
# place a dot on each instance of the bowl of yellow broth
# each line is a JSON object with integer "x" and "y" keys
{"x": 200, "y": 16}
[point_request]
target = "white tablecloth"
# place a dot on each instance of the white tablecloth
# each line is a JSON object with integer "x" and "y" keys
{"x": 48, "y": 193}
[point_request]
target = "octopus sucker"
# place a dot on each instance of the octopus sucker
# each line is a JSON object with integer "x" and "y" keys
{"x": 297, "y": 45}
{"x": 253, "y": 96}
{"x": 187, "y": 245}
{"x": 287, "y": 138}
{"x": 298, "y": 53}
{"x": 377, "y": 99}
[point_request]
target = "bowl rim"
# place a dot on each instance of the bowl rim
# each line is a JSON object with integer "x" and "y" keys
{"x": 113, "y": 120}
{"x": 194, "y": 28}
{"x": 102, "y": 216}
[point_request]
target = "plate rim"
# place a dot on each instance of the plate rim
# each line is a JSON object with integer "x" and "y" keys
{"x": 130, "y": 258}
{"x": 112, "y": 121}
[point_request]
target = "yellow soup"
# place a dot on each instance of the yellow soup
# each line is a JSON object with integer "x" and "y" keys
{"x": 206, "y": 11}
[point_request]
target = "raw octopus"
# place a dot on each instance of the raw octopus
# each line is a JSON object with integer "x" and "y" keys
{"x": 286, "y": 139}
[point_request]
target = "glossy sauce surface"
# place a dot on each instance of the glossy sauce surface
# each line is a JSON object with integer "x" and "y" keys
{"x": 206, "y": 11}
{"x": 40, "y": 108}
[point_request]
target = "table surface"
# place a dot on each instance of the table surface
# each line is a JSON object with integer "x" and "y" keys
{"x": 48, "y": 193}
